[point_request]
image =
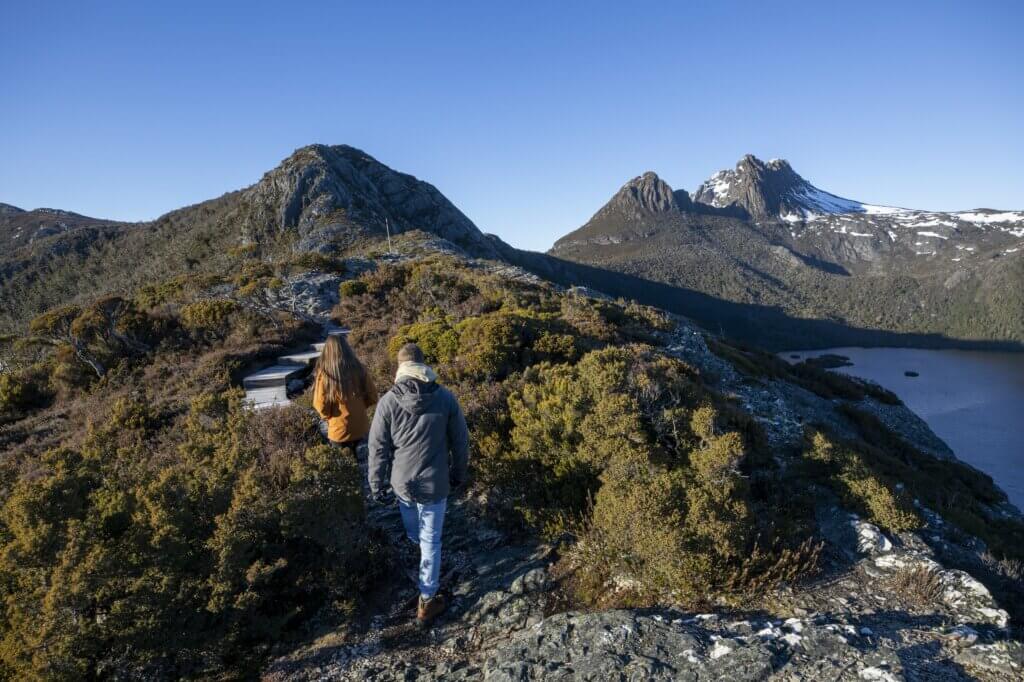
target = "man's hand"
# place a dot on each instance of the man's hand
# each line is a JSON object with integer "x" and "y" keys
{"x": 384, "y": 497}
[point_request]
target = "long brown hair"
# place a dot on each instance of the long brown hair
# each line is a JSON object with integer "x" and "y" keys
{"x": 339, "y": 371}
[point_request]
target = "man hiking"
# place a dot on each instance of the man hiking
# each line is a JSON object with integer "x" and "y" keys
{"x": 419, "y": 432}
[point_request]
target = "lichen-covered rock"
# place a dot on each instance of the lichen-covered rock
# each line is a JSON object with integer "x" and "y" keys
{"x": 1001, "y": 659}
{"x": 669, "y": 646}
{"x": 310, "y": 295}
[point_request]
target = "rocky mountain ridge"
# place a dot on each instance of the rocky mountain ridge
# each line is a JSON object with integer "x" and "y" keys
{"x": 772, "y": 192}
{"x": 321, "y": 199}
{"x": 332, "y": 196}
{"x": 762, "y": 234}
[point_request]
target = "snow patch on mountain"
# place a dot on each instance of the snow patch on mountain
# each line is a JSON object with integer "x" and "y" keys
{"x": 814, "y": 202}
{"x": 774, "y": 191}
{"x": 718, "y": 185}
{"x": 993, "y": 217}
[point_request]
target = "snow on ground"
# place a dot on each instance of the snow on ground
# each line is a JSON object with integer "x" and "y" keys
{"x": 987, "y": 218}
{"x": 934, "y": 222}
{"x": 933, "y": 234}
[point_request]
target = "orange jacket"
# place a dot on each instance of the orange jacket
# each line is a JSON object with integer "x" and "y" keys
{"x": 347, "y": 421}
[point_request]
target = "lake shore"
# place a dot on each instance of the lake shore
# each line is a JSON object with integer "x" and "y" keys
{"x": 971, "y": 399}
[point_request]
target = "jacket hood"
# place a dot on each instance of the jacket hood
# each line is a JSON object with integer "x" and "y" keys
{"x": 416, "y": 397}
{"x": 416, "y": 370}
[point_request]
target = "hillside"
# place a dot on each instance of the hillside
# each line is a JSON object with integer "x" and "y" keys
{"x": 647, "y": 498}
{"x": 762, "y": 235}
{"x": 319, "y": 200}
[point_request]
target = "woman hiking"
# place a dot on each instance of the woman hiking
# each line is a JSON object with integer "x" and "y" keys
{"x": 342, "y": 392}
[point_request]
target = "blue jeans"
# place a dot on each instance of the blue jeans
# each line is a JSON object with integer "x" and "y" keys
{"x": 424, "y": 524}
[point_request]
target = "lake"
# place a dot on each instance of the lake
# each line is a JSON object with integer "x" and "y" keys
{"x": 972, "y": 400}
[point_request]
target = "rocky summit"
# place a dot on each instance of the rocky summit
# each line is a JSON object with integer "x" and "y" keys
{"x": 333, "y": 196}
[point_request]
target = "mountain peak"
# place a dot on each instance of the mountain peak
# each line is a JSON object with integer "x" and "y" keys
{"x": 335, "y": 195}
{"x": 770, "y": 189}
{"x": 646, "y": 192}
{"x": 7, "y": 209}
{"x": 645, "y": 195}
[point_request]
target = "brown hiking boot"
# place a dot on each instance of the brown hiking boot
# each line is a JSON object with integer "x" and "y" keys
{"x": 429, "y": 609}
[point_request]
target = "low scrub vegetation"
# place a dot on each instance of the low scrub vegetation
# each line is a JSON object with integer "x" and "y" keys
{"x": 167, "y": 546}
{"x": 920, "y": 585}
{"x": 861, "y": 486}
{"x": 580, "y": 428}
{"x": 153, "y": 528}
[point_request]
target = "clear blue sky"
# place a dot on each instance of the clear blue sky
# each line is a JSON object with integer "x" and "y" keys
{"x": 527, "y": 116}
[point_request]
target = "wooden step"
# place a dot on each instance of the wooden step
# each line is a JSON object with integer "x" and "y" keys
{"x": 331, "y": 331}
{"x": 269, "y": 386}
{"x": 260, "y": 398}
{"x": 306, "y": 359}
{"x": 278, "y": 375}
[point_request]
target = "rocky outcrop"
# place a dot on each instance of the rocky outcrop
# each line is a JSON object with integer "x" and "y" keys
{"x": 333, "y": 196}
{"x": 761, "y": 189}
{"x": 670, "y": 645}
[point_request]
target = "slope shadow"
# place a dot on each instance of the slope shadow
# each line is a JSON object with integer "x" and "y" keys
{"x": 766, "y": 326}
{"x": 819, "y": 264}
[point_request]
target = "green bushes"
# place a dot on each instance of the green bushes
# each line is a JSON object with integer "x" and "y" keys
{"x": 353, "y": 287}
{"x": 97, "y": 337}
{"x": 568, "y": 423}
{"x": 627, "y": 449}
{"x": 214, "y": 317}
{"x": 19, "y": 392}
{"x": 150, "y": 555}
{"x": 861, "y": 488}
{"x": 174, "y": 290}
{"x": 963, "y": 495}
{"x": 490, "y": 345}
{"x": 438, "y": 340}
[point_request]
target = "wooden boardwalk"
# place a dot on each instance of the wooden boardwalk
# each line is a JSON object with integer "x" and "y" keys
{"x": 268, "y": 387}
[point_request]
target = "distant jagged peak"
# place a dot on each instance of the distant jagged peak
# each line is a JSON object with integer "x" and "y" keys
{"x": 647, "y": 192}
{"x": 773, "y": 189}
{"x": 644, "y": 195}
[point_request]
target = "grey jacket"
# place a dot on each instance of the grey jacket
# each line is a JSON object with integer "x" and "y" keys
{"x": 416, "y": 427}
